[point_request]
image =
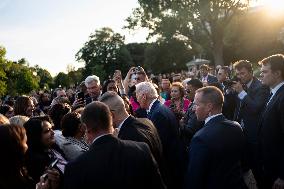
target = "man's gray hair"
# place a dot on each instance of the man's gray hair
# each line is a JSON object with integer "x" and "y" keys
{"x": 147, "y": 88}
{"x": 92, "y": 78}
{"x": 114, "y": 101}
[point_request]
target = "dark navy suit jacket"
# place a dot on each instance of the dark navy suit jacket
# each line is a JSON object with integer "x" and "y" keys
{"x": 114, "y": 163}
{"x": 214, "y": 156}
{"x": 174, "y": 151}
{"x": 250, "y": 109}
{"x": 272, "y": 137}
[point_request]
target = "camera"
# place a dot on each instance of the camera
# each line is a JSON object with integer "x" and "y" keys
{"x": 138, "y": 69}
{"x": 229, "y": 83}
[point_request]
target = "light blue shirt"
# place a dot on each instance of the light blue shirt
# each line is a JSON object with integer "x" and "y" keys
{"x": 274, "y": 90}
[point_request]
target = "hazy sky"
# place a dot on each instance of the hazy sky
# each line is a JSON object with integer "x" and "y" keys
{"x": 50, "y": 32}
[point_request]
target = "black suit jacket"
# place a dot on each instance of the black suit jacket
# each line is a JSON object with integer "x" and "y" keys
{"x": 214, "y": 156}
{"x": 272, "y": 137}
{"x": 132, "y": 129}
{"x": 114, "y": 163}
{"x": 174, "y": 151}
{"x": 210, "y": 79}
{"x": 250, "y": 109}
{"x": 191, "y": 125}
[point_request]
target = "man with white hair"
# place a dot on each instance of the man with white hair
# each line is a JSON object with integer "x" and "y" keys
{"x": 92, "y": 83}
{"x": 167, "y": 126}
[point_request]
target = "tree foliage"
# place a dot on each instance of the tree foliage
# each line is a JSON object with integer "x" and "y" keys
{"x": 103, "y": 53}
{"x": 165, "y": 57}
{"x": 18, "y": 78}
{"x": 61, "y": 80}
{"x": 197, "y": 22}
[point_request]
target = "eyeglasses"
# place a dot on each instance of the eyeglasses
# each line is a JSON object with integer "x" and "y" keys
{"x": 187, "y": 91}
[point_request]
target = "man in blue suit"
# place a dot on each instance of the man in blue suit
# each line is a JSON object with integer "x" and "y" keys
{"x": 216, "y": 149}
{"x": 164, "y": 120}
{"x": 251, "y": 99}
{"x": 272, "y": 123}
{"x": 207, "y": 78}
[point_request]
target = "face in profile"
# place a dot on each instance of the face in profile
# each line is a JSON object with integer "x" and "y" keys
{"x": 268, "y": 77}
{"x": 200, "y": 107}
{"x": 141, "y": 98}
{"x": 47, "y": 134}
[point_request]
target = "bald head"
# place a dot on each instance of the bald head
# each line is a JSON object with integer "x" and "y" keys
{"x": 116, "y": 106}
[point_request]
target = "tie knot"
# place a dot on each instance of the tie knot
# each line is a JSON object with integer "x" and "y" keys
{"x": 245, "y": 87}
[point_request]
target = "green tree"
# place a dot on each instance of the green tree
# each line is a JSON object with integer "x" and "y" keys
{"x": 198, "y": 22}
{"x": 75, "y": 77}
{"x": 21, "y": 78}
{"x": 103, "y": 53}
{"x": 45, "y": 77}
{"x": 61, "y": 80}
{"x": 3, "y": 86}
{"x": 253, "y": 36}
{"x": 162, "y": 57}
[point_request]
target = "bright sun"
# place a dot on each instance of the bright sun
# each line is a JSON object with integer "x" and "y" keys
{"x": 274, "y": 7}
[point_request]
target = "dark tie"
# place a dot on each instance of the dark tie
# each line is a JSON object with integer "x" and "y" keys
{"x": 270, "y": 95}
{"x": 245, "y": 87}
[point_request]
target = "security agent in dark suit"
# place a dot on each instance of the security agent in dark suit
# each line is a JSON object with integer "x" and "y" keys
{"x": 272, "y": 123}
{"x": 167, "y": 127}
{"x": 111, "y": 162}
{"x": 216, "y": 149}
{"x": 129, "y": 128}
{"x": 252, "y": 96}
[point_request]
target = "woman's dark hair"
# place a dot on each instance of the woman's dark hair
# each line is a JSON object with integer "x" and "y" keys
{"x": 12, "y": 158}
{"x": 57, "y": 112}
{"x": 70, "y": 124}
{"x": 34, "y": 132}
{"x": 106, "y": 84}
{"x": 4, "y": 109}
{"x": 21, "y": 105}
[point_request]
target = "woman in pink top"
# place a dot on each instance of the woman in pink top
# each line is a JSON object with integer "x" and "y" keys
{"x": 178, "y": 104}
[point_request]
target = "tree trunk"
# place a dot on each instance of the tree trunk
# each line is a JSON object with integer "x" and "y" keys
{"x": 218, "y": 46}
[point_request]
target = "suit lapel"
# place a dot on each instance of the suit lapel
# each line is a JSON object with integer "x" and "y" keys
{"x": 273, "y": 100}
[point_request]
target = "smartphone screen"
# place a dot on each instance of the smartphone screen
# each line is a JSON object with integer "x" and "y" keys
{"x": 81, "y": 96}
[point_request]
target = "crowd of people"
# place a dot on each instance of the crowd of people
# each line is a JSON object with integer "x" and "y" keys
{"x": 218, "y": 129}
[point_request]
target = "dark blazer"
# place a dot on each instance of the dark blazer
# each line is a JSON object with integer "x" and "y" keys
{"x": 211, "y": 79}
{"x": 132, "y": 129}
{"x": 272, "y": 137}
{"x": 191, "y": 125}
{"x": 214, "y": 156}
{"x": 250, "y": 108}
{"x": 114, "y": 163}
{"x": 230, "y": 100}
{"x": 174, "y": 151}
